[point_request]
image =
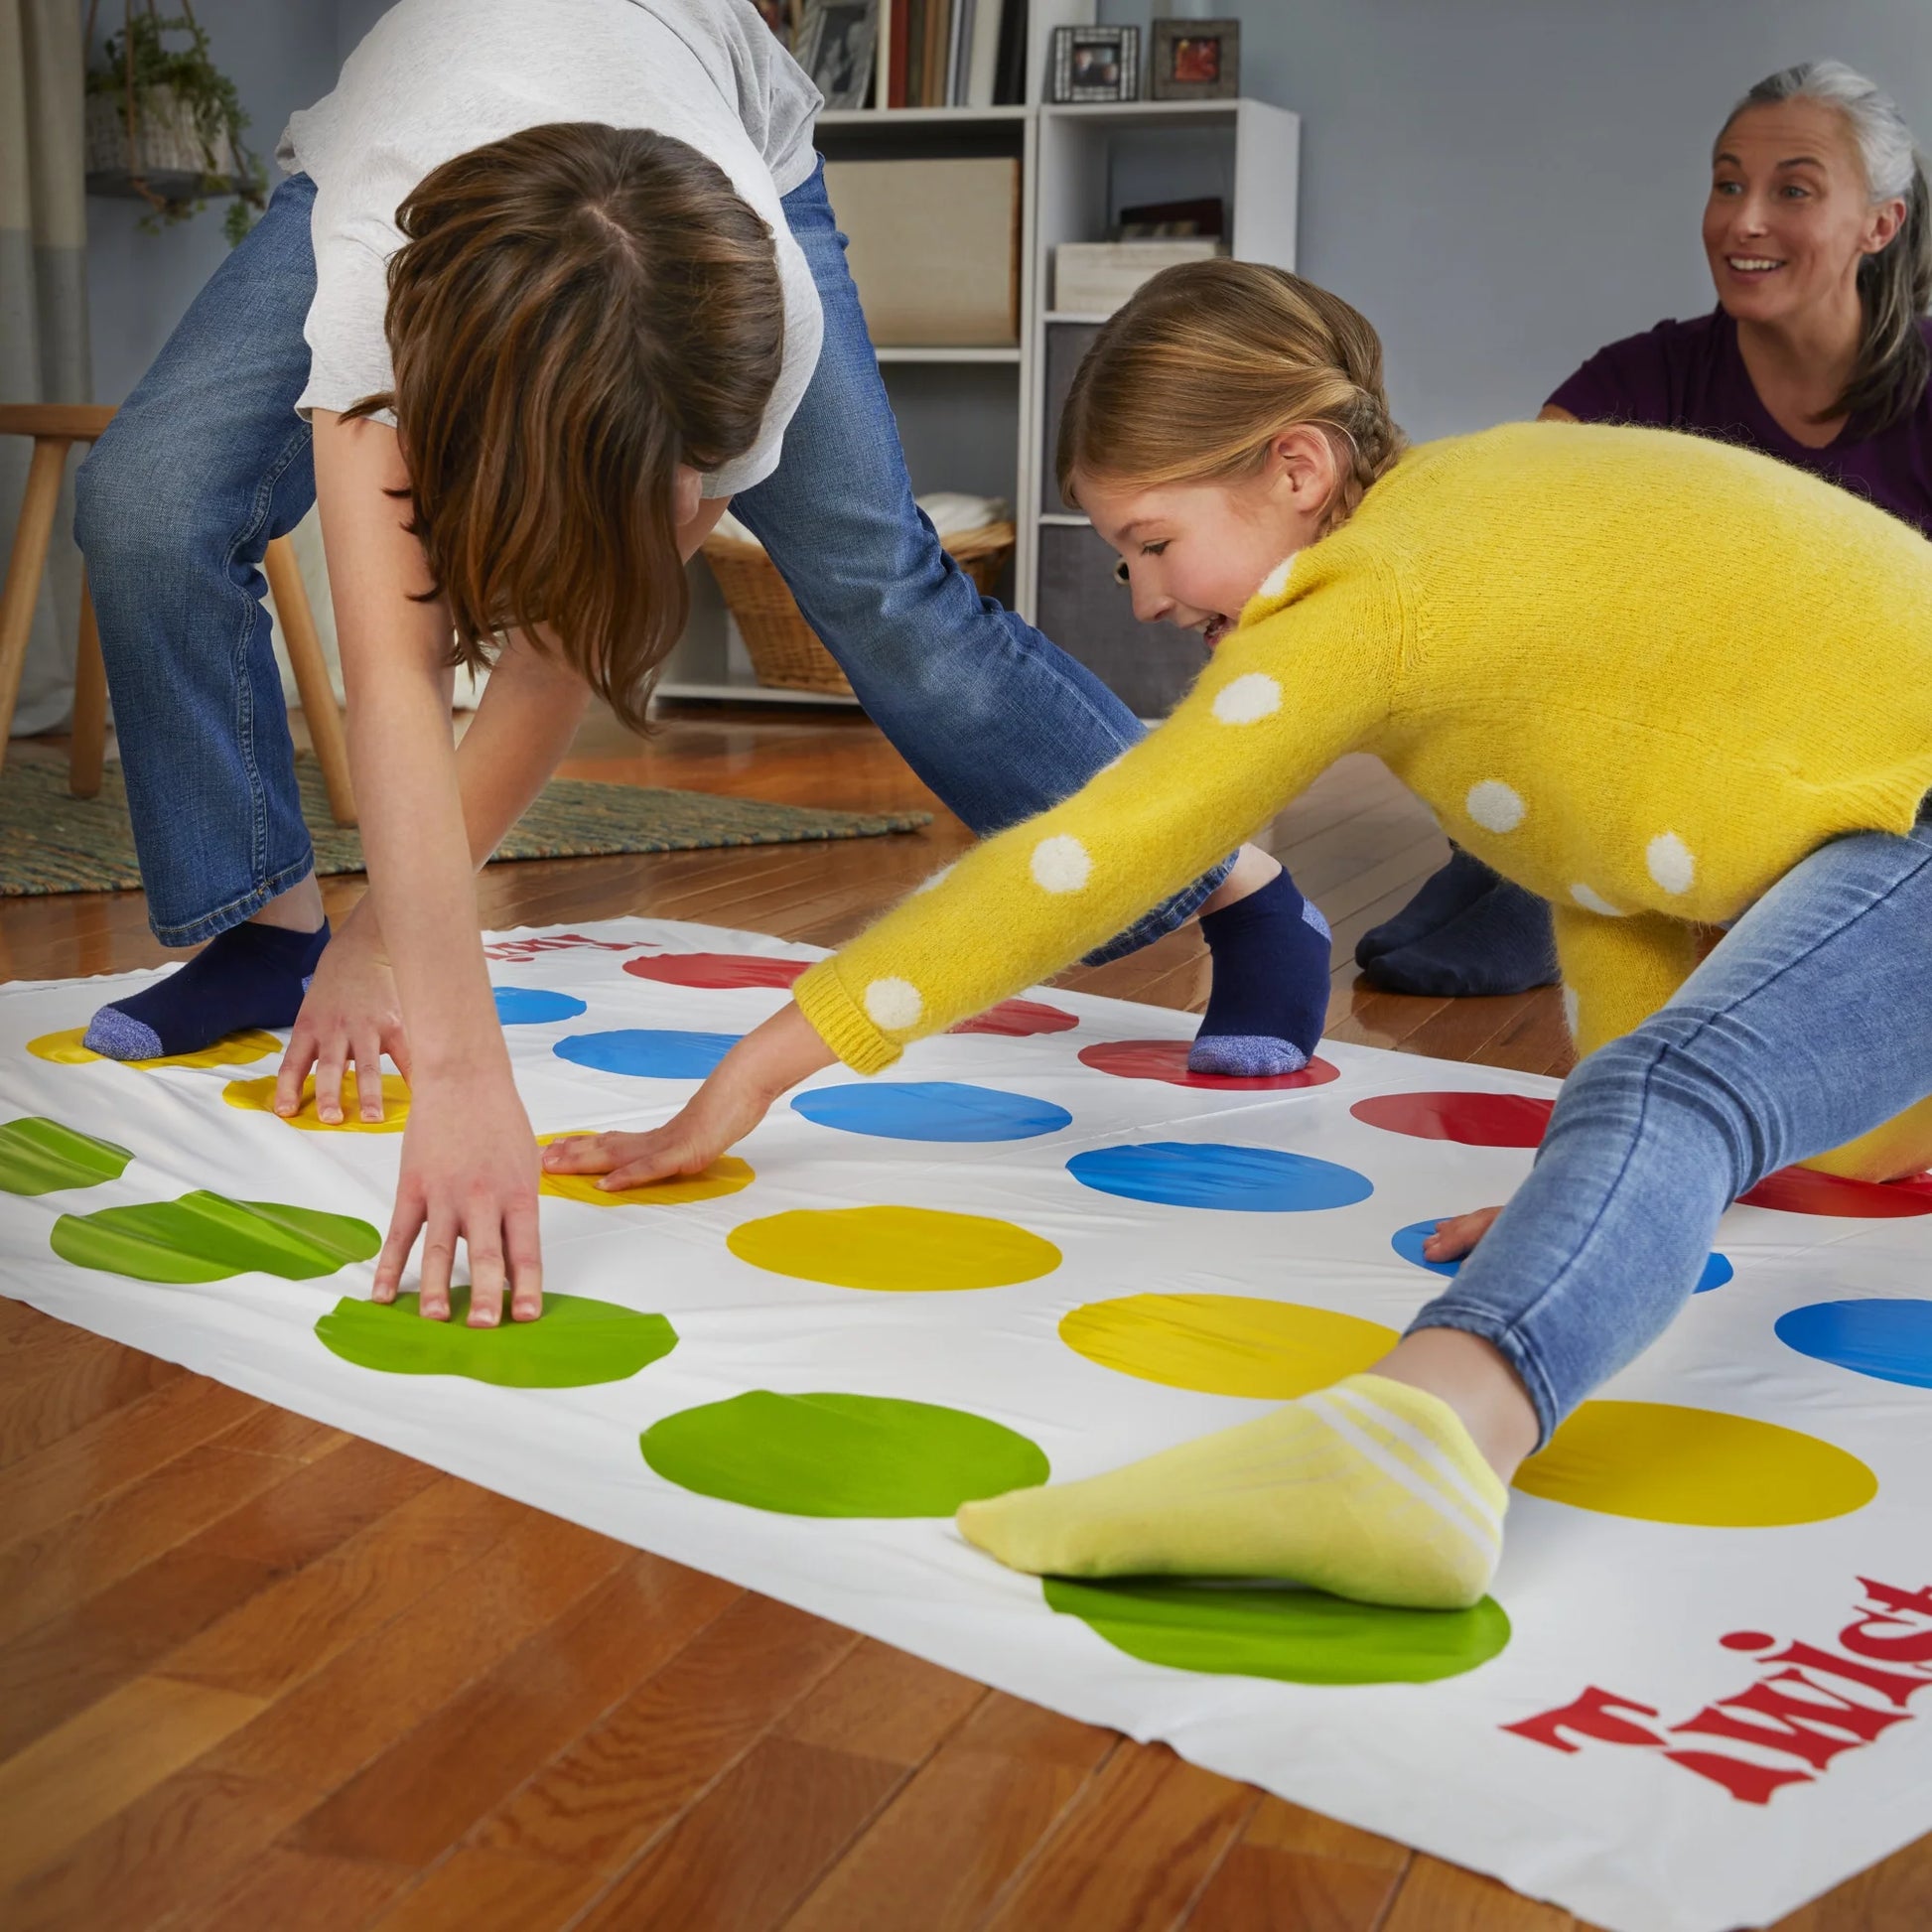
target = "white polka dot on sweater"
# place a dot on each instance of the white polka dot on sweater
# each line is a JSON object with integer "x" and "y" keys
{"x": 1060, "y": 863}
{"x": 939, "y": 878}
{"x": 1573, "y": 1012}
{"x": 894, "y": 1005}
{"x": 1276, "y": 582}
{"x": 1670, "y": 863}
{"x": 1495, "y": 806}
{"x": 1250, "y": 698}
{"x": 1592, "y": 900}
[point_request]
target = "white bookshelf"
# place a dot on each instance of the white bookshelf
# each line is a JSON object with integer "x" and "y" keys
{"x": 975, "y": 418}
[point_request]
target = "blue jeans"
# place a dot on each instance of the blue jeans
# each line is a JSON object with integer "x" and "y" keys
{"x": 1805, "y": 1029}
{"x": 206, "y": 462}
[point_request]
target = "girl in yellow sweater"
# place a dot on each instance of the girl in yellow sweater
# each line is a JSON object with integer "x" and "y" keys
{"x": 1580, "y": 645}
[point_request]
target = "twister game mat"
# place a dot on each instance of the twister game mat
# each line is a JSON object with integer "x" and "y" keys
{"x": 1700, "y": 1689}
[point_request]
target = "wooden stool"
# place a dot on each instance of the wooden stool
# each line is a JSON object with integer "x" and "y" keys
{"x": 54, "y": 427}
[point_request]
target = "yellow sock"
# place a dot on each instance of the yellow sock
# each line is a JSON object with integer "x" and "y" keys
{"x": 1369, "y": 1489}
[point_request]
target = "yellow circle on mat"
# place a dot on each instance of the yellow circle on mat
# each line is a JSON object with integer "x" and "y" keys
{"x": 260, "y": 1095}
{"x": 1225, "y": 1345}
{"x": 902, "y": 1250}
{"x": 238, "y": 1050}
{"x": 1662, "y": 1463}
{"x": 724, "y": 1177}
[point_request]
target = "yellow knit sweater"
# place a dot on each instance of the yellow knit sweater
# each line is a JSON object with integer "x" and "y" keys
{"x": 1641, "y": 673}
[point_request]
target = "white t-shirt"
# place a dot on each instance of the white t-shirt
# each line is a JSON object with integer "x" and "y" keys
{"x": 434, "y": 79}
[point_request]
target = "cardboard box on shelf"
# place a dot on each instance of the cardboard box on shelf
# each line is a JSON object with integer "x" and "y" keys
{"x": 1094, "y": 278}
{"x": 934, "y": 247}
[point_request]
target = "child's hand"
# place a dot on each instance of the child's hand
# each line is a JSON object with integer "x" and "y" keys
{"x": 768, "y": 1063}
{"x": 1458, "y": 1235}
{"x": 351, "y": 1014}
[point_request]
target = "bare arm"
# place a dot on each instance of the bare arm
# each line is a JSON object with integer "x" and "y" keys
{"x": 1553, "y": 412}
{"x": 469, "y": 1159}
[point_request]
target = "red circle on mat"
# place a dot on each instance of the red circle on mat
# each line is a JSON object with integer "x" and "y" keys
{"x": 1746, "y": 1640}
{"x": 717, "y": 969}
{"x": 1473, "y": 1119}
{"x": 1166, "y": 1059}
{"x": 1018, "y": 1017}
{"x": 1804, "y": 1190}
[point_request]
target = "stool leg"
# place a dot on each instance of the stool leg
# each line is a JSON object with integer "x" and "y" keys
{"x": 24, "y": 566}
{"x": 312, "y": 678}
{"x": 87, "y": 747}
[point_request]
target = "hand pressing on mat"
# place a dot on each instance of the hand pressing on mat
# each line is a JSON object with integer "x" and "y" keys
{"x": 351, "y": 1014}
{"x": 1458, "y": 1237}
{"x": 768, "y": 1063}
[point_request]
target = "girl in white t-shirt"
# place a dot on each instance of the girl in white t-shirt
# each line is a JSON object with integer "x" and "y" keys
{"x": 550, "y": 282}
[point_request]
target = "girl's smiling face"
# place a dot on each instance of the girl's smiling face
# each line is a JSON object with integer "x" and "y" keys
{"x": 1790, "y": 215}
{"x": 1193, "y": 553}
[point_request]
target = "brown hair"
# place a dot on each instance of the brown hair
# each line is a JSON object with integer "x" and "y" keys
{"x": 576, "y": 310}
{"x": 1208, "y": 364}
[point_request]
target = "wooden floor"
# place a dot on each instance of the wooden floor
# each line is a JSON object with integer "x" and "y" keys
{"x": 258, "y": 1674}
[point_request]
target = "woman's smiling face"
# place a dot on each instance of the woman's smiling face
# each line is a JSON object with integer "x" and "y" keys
{"x": 1790, "y": 218}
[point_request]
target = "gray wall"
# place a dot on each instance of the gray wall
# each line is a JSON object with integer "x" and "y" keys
{"x": 281, "y": 55}
{"x": 1504, "y": 185}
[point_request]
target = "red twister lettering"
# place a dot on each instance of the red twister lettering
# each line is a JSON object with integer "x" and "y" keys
{"x": 519, "y": 952}
{"x": 1800, "y": 1709}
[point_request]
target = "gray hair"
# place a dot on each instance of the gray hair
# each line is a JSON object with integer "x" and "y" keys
{"x": 1895, "y": 285}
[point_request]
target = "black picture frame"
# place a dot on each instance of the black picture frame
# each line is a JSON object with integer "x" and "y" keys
{"x": 1096, "y": 64}
{"x": 1195, "y": 60}
{"x": 837, "y": 45}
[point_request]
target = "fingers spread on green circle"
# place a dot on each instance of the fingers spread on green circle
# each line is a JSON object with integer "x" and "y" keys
{"x": 577, "y": 1341}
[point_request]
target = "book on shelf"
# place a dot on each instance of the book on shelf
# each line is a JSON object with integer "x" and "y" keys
{"x": 951, "y": 53}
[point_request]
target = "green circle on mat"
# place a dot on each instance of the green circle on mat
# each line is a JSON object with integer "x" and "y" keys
{"x": 206, "y": 1237}
{"x": 575, "y": 1342}
{"x": 40, "y": 1157}
{"x": 1300, "y": 1636}
{"x": 841, "y": 1454}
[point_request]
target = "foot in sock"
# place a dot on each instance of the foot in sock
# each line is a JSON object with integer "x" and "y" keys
{"x": 1441, "y": 898}
{"x": 1370, "y": 1489}
{"x": 1505, "y": 942}
{"x": 252, "y": 975}
{"x": 1271, "y": 983}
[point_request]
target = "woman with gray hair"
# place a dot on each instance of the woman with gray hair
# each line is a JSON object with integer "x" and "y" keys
{"x": 1819, "y": 239}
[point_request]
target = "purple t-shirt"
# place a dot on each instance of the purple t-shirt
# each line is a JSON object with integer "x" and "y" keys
{"x": 1690, "y": 376}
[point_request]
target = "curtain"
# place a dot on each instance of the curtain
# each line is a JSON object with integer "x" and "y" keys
{"x": 44, "y": 352}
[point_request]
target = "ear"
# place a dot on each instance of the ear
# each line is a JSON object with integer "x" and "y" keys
{"x": 1302, "y": 462}
{"x": 1882, "y": 222}
{"x": 687, "y": 492}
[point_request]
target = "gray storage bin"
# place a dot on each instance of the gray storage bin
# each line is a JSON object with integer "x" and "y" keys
{"x": 1090, "y": 617}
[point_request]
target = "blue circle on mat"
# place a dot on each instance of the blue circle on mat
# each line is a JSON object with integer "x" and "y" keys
{"x": 652, "y": 1053}
{"x": 527, "y": 1006}
{"x": 1195, "y": 1174}
{"x": 930, "y": 1110}
{"x": 1888, "y": 1340}
{"x": 1407, "y": 1242}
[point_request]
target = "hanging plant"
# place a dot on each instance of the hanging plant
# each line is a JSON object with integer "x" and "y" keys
{"x": 165, "y": 124}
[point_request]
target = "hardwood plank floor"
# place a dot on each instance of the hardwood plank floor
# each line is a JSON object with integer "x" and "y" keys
{"x": 254, "y": 1672}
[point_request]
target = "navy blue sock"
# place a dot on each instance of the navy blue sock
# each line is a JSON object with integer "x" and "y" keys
{"x": 1505, "y": 942}
{"x": 252, "y": 975}
{"x": 1441, "y": 899}
{"x": 1271, "y": 983}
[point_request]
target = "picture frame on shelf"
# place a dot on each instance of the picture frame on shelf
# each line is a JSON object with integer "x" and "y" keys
{"x": 1195, "y": 60}
{"x": 836, "y": 45}
{"x": 1096, "y": 64}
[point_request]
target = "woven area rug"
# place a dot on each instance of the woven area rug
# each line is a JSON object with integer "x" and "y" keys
{"x": 53, "y": 842}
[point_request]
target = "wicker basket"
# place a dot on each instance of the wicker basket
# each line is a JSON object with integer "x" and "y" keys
{"x": 783, "y": 649}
